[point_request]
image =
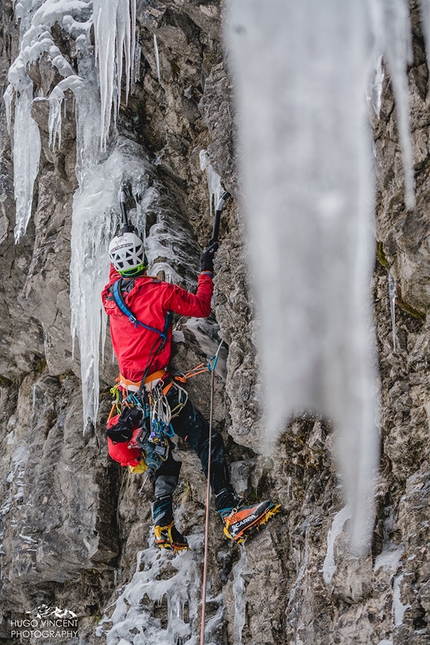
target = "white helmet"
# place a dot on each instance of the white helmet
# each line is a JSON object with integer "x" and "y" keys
{"x": 127, "y": 254}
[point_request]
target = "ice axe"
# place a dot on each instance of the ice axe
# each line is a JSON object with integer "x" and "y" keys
{"x": 126, "y": 227}
{"x": 217, "y": 220}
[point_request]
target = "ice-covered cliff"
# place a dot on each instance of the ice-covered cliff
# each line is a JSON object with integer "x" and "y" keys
{"x": 75, "y": 530}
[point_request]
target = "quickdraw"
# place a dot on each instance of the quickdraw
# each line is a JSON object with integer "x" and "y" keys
{"x": 161, "y": 414}
{"x": 203, "y": 368}
{"x": 123, "y": 398}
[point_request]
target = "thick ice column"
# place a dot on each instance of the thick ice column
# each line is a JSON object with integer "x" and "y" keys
{"x": 300, "y": 71}
{"x": 92, "y": 228}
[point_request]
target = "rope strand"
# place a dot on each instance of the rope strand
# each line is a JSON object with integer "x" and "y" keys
{"x": 208, "y": 489}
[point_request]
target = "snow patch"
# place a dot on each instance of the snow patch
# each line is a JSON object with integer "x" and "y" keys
{"x": 398, "y": 607}
{"x": 389, "y": 560}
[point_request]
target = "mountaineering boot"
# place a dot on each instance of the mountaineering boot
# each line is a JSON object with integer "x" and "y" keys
{"x": 167, "y": 535}
{"x": 239, "y": 522}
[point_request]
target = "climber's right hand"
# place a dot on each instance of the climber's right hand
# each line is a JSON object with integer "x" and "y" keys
{"x": 207, "y": 258}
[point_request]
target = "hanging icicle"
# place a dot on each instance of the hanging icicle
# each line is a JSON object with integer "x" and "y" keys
{"x": 214, "y": 181}
{"x": 114, "y": 27}
{"x": 396, "y": 39}
{"x": 301, "y": 72}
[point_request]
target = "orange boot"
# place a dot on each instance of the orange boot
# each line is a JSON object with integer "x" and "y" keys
{"x": 239, "y": 523}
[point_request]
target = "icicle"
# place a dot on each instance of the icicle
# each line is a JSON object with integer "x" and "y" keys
{"x": 89, "y": 228}
{"x": 301, "y": 71}
{"x": 376, "y": 89}
{"x": 7, "y": 97}
{"x": 36, "y": 19}
{"x": 157, "y": 58}
{"x": 392, "y": 291}
{"x": 26, "y": 155}
{"x": 56, "y": 103}
{"x": 114, "y": 24}
{"x": 54, "y": 121}
{"x": 398, "y": 52}
{"x": 425, "y": 14}
{"x": 92, "y": 228}
{"x": 136, "y": 65}
{"x": 141, "y": 217}
{"x": 214, "y": 181}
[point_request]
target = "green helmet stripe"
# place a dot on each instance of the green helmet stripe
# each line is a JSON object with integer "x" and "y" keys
{"x": 128, "y": 273}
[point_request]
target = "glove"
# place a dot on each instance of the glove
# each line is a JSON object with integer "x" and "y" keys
{"x": 207, "y": 258}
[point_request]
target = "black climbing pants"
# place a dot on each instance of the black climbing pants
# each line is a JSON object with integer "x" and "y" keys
{"x": 193, "y": 428}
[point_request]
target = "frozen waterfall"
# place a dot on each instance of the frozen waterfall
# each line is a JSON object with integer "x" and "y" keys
{"x": 99, "y": 174}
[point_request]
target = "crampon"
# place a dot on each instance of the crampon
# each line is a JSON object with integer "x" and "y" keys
{"x": 242, "y": 521}
{"x": 168, "y": 537}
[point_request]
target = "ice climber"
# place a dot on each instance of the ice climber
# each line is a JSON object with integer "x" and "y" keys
{"x": 151, "y": 405}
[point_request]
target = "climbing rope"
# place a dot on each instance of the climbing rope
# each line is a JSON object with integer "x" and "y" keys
{"x": 205, "y": 552}
{"x": 211, "y": 368}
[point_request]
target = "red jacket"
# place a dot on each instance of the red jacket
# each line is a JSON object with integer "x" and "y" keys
{"x": 150, "y": 300}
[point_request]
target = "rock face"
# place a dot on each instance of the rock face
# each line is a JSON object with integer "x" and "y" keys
{"x": 72, "y": 523}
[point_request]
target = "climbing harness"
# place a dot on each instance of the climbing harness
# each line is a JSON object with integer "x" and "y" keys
{"x": 153, "y": 419}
